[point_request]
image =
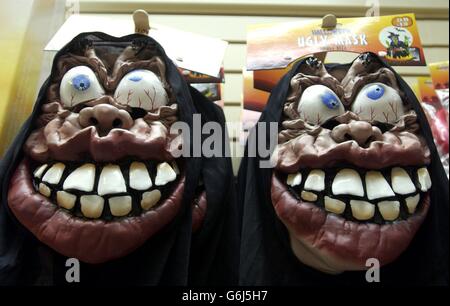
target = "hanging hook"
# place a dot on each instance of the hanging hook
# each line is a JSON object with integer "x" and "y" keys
{"x": 141, "y": 22}
{"x": 329, "y": 22}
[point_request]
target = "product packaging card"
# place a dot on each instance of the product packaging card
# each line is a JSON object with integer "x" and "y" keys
{"x": 200, "y": 55}
{"x": 394, "y": 38}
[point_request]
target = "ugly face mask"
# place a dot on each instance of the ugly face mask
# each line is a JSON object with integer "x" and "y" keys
{"x": 351, "y": 179}
{"x": 98, "y": 178}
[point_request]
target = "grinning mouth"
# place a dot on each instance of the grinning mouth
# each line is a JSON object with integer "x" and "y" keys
{"x": 98, "y": 213}
{"x": 342, "y": 216}
{"x": 108, "y": 191}
{"x": 366, "y": 196}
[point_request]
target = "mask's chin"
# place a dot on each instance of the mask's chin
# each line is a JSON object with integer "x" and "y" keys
{"x": 95, "y": 213}
{"x": 318, "y": 259}
{"x": 333, "y": 229}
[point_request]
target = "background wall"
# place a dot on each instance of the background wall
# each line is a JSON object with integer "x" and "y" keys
{"x": 228, "y": 20}
{"x": 26, "y": 27}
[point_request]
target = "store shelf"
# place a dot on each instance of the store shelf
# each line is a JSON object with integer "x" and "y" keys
{"x": 423, "y": 9}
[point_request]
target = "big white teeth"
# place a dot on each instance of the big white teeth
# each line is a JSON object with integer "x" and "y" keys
{"x": 164, "y": 174}
{"x": 139, "y": 177}
{"x": 92, "y": 206}
{"x": 150, "y": 198}
{"x": 377, "y": 186}
{"x": 389, "y": 210}
{"x": 40, "y": 170}
{"x": 412, "y": 202}
{"x": 120, "y": 206}
{"x": 81, "y": 179}
{"x": 44, "y": 190}
{"x": 111, "y": 180}
{"x": 348, "y": 181}
{"x": 401, "y": 182}
{"x": 334, "y": 206}
{"x": 424, "y": 179}
{"x": 294, "y": 179}
{"x": 362, "y": 210}
{"x": 65, "y": 199}
{"x": 308, "y": 196}
{"x": 54, "y": 174}
{"x": 315, "y": 181}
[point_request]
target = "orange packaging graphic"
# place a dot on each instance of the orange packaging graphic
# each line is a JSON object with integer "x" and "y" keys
{"x": 394, "y": 38}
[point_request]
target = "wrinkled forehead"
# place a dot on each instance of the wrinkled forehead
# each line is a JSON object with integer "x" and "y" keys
{"x": 104, "y": 54}
{"x": 338, "y": 71}
{"x": 360, "y": 66}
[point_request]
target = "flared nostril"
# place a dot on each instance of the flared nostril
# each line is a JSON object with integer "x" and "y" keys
{"x": 93, "y": 121}
{"x": 347, "y": 137}
{"x": 117, "y": 123}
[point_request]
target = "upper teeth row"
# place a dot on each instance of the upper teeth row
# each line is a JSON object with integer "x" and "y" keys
{"x": 349, "y": 182}
{"x": 111, "y": 181}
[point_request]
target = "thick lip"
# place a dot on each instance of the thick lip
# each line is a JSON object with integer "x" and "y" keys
{"x": 91, "y": 241}
{"x": 348, "y": 242}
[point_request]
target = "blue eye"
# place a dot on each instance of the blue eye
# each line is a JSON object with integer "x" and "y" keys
{"x": 375, "y": 92}
{"x": 81, "y": 82}
{"x": 135, "y": 78}
{"x": 330, "y": 100}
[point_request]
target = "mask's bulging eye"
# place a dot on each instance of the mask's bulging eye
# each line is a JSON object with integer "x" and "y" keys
{"x": 141, "y": 89}
{"x": 318, "y": 104}
{"x": 378, "y": 102}
{"x": 79, "y": 85}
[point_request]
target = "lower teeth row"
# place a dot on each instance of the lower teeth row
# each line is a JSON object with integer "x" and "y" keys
{"x": 92, "y": 206}
{"x": 363, "y": 210}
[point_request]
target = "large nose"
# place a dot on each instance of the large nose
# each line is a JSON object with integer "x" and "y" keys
{"x": 105, "y": 117}
{"x": 362, "y": 132}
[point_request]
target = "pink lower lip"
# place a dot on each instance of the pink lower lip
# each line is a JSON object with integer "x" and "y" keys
{"x": 91, "y": 241}
{"x": 345, "y": 240}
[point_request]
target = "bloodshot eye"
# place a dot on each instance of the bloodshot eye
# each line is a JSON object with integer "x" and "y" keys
{"x": 378, "y": 102}
{"x": 141, "y": 89}
{"x": 318, "y": 104}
